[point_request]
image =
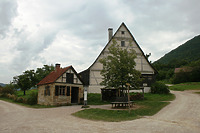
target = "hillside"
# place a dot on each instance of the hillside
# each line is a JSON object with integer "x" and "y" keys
{"x": 188, "y": 51}
{"x": 2, "y": 84}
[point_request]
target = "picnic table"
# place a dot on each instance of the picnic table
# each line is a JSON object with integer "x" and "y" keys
{"x": 122, "y": 102}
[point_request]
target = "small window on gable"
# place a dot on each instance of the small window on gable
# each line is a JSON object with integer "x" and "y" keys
{"x": 122, "y": 43}
{"x": 123, "y": 32}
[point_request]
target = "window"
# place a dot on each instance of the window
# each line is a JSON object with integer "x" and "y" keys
{"x": 69, "y": 78}
{"x": 149, "y": 77}
{"x": 122, "y": 43}
{"x": 68, "y": 91}
{"x": 63, "y": 91}
{"x": 123, "y": 32}
{"x": 56, "y": 90}
{"x": 60, "y": 90}
{"x": 47, "y": 91}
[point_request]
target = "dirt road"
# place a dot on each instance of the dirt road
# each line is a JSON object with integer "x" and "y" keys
{"x": 181, "y": 116}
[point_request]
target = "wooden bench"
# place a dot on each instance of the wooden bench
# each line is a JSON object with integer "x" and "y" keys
{"x": 122, "y": 102}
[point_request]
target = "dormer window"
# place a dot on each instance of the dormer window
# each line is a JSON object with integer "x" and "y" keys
{"x": 122, "y": 43}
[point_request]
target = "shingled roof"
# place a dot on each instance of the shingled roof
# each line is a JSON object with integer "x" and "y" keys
{"x": 54, "y": 75}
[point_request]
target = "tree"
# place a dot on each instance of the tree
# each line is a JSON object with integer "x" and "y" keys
{"x": 43, "y": 72}
{"x": 25, "y": 81}
{"x": 119, "y": 68}
{"x": 30, "y": 78}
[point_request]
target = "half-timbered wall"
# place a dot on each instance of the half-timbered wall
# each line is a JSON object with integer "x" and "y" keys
{"x": 62, "y": 79}
{"x": 125, "y": 40}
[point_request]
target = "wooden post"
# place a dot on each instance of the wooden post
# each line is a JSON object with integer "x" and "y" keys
{"x": 128, "y": 98}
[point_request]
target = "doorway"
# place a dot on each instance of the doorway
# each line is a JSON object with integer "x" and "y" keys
{"x": 74, "y": 94}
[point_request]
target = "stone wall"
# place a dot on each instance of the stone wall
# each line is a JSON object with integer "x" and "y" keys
{"x": 52, "y": 99}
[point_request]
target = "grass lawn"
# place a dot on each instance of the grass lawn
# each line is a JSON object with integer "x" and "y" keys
{"x": 149, "y": 106}
{"x": 186, "y": 86}
{"x": 95, "y": 99}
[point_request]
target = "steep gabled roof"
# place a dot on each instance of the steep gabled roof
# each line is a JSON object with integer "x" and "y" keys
{"x": 123, "y": 24}
{"x": 53, "y": 76}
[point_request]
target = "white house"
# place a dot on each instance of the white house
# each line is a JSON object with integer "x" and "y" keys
{"x": 92, "y": 77}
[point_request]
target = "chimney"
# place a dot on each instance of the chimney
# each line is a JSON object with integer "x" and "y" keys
{"x": 110, "y": 33}
{"x": 57, "y": 67}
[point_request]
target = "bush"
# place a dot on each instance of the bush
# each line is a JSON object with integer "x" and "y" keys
{"x": 136, "y": 96}
{"x": 6, "y": 90}
{"x": 32, "y": 98}
{"x": 12, "y": 96}
{"x": 159, "y": 88}
{"x": 20, "y": 100}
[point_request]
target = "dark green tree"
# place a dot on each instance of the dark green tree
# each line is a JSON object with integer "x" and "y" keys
{"x": 43, "y": 72}
{"x": 30, "y": 78}
{"x": 119, "y": 68}
{"x": 23, "y": 82}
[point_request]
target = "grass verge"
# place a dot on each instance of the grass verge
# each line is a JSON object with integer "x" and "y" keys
{"x": 186, "y": 86}
{"x": 26, "y": 105}
{"x": 150, "y": 106}
{"x": 21, "y": 94}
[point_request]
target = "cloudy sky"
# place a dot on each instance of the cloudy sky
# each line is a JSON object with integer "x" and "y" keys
{"x": 38, "y": 32}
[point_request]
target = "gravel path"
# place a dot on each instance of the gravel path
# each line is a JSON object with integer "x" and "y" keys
{"x": 181, "y": 116}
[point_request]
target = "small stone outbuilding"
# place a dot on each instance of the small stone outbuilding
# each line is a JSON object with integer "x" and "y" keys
{"x": 61, "y": 87}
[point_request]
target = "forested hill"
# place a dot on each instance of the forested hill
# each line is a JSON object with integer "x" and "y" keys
{"x": 2, "y": 84}
{"x": 189, "y": 51}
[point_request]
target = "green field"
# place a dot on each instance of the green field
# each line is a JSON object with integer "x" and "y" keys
{"x": 28, "y": 92}
{"x": 186, "y": 86}
{"x": 150, "y": 106}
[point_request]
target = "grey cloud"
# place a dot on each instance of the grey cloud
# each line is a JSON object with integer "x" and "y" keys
{"x": 90, "y": 20}
{"x": 166, "y": 15}
{"x": 8, "y": 11}
{"x": 29, "y": 49}
{"x": 86, "y": 23}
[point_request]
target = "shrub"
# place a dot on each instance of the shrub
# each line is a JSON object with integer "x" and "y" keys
{"x": 20, "y": 99}
{"x": 159, "y": 88}
{"x": 6, "y": 90}
{"x": 136, "y": 96}
{"x": 12, "y": 96}
{"x": 32, "y": 98}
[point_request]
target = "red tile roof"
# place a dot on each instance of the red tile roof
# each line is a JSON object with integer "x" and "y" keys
{"x": 54, "y": 75}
